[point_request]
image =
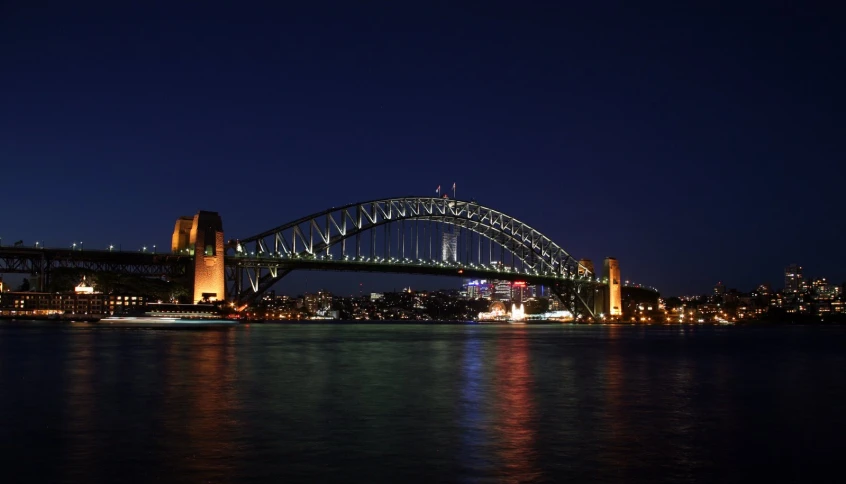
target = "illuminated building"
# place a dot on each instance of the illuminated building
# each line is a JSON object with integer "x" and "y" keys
{"x": 519, "y": 292}
{"x": 793, "y": 278}
{"x": 822, "y": 290}
{"x": 324, "y": 300}
{"x": 719, "y": 289}
{"x": 502, "y": 290}
{"x": 310, "y": 302}
{"x": 471, "y": 288}
{"x": 613, "y": 303}
{"x": 449, "y": 247}
{"x": 478, "y": 288}
{"x": 118, "y": 303}
{"x": 497, "y": 312}
{"x": 51, "y": 303}
{"x": 83, "y": 288}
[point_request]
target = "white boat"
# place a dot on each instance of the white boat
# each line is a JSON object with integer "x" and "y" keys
{"x": 172, "y": 316}
{"x": 162, "y": 322}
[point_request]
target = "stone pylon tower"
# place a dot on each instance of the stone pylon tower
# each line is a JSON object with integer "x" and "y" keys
{"x": 586, "y": 268}
{"x": 203, "y": 239}
{"x": 614, "y": 296}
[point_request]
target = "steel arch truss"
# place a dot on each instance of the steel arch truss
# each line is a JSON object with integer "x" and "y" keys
{"x": 315, "y": 235}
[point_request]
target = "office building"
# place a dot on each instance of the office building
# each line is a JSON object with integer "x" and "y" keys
{"x": 793, "y": 279}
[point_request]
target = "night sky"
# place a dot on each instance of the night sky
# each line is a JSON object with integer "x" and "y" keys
{"x": 695, "y": 144}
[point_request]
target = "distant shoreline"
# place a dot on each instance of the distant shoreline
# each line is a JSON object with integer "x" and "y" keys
{"x": 68, "y": 319}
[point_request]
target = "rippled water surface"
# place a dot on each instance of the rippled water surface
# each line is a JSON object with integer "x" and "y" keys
{"x": 447, "y": 403}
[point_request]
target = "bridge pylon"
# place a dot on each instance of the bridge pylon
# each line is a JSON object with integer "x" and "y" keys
{"x": 201, "y": 236}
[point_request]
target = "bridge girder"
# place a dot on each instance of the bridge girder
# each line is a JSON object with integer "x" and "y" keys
{"x": 45, "y": 261}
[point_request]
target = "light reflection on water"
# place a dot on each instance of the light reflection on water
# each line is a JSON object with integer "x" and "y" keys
{"x": 516, "y": 415}
{"x": 382, "y": 403}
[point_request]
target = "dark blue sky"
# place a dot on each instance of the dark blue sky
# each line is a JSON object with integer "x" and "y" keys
{"x": 694, "y": 143}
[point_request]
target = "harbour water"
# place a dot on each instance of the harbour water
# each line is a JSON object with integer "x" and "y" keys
{"x": 438, "y": 403}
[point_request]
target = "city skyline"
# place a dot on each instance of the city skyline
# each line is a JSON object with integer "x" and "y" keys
{"x": 680, "y": 157}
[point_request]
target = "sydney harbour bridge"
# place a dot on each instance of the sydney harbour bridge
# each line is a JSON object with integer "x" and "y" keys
{"x": 412, "y": 235}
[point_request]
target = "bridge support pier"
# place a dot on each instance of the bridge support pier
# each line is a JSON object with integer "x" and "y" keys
{"x": 577, "y": 297}
{"x": 204, "y": 241}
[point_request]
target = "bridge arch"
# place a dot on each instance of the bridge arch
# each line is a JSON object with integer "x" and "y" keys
{"x": 339, "y": 232}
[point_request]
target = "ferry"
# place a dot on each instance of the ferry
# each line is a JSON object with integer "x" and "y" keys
{"x": 164, "y": 315}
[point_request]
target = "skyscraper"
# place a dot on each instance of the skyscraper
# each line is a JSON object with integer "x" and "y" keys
{"x": 792, "y": 278}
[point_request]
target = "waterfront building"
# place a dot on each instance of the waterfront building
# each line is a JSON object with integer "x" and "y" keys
{"x": 48, "y": 303}
{"x": 310, "y": 303}
{"x": 121, "y": 303}
{"x": 822, "y": 290}
{"x": 324, "y": 300}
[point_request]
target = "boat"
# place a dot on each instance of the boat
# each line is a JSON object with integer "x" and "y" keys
{"x": 164, "y": 315}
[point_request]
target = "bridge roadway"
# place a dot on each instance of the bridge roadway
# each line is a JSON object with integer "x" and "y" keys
{"x": 29, "y": 260}
{"x": 406, "y": 266}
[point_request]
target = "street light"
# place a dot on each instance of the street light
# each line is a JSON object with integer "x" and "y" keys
{"x": 111, "y": 247}
{"x": 154, "y": 248}
{"x": 73, "y": 246}
{"x": 36, "y": 244}
{"x": 144, "y": 249}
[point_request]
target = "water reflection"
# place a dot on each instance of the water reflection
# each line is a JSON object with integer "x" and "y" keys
{"x": 516, "y": 412}
{"x": 199, "y": 405}
{"x": 434, "y": 403}
{"x": 80, "y": 374}
{"x": 473, "y": 407}
{"x": 619, "y": 433}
